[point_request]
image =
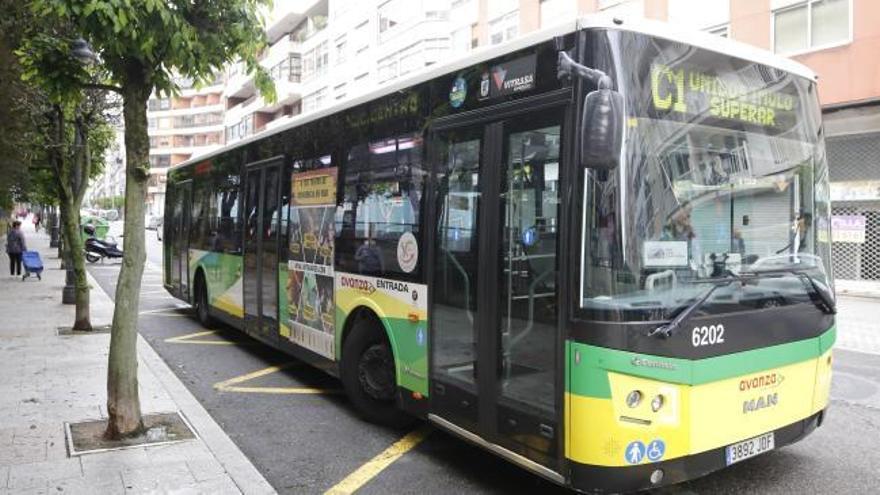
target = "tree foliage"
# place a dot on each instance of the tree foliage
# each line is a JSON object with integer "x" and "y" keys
{"x": 143, "y": 45}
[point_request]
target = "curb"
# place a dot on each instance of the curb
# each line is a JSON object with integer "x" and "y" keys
{"x": 240, "y": 469}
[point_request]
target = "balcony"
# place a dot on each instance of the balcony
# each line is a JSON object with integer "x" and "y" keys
{"x": 287, "y": 15}
{"x": 240, "y": 84}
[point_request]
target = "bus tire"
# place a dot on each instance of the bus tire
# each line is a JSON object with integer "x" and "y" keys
{"x": 200, "y": 302}
{"x": 368, "y": 374}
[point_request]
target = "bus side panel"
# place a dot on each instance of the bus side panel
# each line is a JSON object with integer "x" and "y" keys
{"x": 402, "y": 308}
{"x": 223, "y": 279}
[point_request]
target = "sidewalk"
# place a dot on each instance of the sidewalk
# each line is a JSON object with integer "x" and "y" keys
{"x": 47, "y": 380}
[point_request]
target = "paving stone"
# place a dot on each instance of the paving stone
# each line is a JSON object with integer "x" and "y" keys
{"x": 206, "y": 469}
{"x": 40, "y": 474}
{"x": 110, "y": 484}
{"x": 116, "y": 461}
{"x": 23, "y": 454}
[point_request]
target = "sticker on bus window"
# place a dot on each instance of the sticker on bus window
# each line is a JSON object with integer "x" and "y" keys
{"x": 665, "y": 253}
{"x": 407, "y": 252}
{"x": 458, "y": 93}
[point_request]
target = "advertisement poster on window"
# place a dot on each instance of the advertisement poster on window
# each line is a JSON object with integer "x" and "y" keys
{"x": 310, "y": 277}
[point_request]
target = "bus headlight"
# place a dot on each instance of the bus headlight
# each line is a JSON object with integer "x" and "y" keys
{"x": 633, "y": 398}
{"x": 657, "y": 403}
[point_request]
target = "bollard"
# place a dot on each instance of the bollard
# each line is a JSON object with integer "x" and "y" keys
{"x": 68, "y": 295}
{"x": 53, "y": 230}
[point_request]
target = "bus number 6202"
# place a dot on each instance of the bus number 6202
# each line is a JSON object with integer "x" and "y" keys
{"x": 711, "y": 335}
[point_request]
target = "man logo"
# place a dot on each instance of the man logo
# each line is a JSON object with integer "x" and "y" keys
{"x": 762, "y": 402}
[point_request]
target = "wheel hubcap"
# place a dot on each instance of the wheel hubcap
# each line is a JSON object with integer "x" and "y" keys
{"x": 376, "y": 372}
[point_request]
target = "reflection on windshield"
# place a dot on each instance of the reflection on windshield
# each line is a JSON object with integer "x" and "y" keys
{"x": 703, "y": 197}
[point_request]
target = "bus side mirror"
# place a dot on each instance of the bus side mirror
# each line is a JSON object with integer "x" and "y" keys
{"x": 602, "y": 129}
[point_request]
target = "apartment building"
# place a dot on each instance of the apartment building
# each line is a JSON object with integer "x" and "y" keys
{"x": 323, "y": 51}
{"x": 180, "y": 127}
{"x": 111, "y": 182}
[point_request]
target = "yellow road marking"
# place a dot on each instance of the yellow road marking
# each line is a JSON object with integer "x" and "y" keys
{"x": 190, "y": 338}
{"x": 164, "y": 312}
{"x": 374, "y": 466}
{"x": 230, "y": 385}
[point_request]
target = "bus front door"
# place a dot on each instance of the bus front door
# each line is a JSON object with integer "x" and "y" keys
{"x": 261, "y": 244}
{"x": 495, "y": 336}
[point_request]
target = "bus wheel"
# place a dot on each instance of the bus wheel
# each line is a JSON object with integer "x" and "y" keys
{"x": 368, "y": 375}
{"x": 201, "y": 302}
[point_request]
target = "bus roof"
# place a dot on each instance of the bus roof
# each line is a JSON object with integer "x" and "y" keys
{"x": 698, "y": 39}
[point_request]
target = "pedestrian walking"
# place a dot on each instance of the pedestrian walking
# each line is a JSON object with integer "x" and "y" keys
{"x": 15, "y": 245}
{"x": 38, "y": 221}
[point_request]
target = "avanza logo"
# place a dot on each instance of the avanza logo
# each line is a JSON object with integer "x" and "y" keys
{"x": 769, "y": 380}
{"x": 357, "y": 284}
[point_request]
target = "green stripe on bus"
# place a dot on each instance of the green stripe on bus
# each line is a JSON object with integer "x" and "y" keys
{"x": 587, "y": 375}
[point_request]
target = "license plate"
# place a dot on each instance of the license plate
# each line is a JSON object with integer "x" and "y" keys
{"x": 741, "y": 451}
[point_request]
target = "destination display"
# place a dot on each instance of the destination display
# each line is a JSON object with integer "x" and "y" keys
{"x": 698, "y": 86}
{"x": 729, "y": 96}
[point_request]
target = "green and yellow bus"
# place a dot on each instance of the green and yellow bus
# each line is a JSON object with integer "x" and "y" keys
{"x": 600, "y": 251}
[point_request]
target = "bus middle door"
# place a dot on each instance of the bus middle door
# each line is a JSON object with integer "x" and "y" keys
{"x": 261, "y": 245}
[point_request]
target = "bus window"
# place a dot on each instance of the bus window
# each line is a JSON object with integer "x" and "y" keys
{"x": 382, "y": 199}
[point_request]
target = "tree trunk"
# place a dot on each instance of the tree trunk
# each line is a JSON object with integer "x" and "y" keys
{"x": 73, "y": 191}
{"x": 82, "y": 320}
{"x": 123, "y": 403}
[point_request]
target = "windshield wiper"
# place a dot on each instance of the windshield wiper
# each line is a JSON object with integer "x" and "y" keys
{"x": 826, "y": 300}
{"x": 668, "y": 329}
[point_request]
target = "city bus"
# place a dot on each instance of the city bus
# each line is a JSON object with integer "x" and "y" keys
{"x": 600, "y": 251}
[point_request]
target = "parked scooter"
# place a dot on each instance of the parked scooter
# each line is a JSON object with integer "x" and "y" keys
{"x": 96, "y": 249}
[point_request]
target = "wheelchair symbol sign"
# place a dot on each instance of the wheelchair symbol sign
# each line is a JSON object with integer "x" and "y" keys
{"x": 655, "y": 450}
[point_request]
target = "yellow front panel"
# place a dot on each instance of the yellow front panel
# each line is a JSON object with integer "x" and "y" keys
{"x": 730, "y": 410}
{"x": 693, "y": 419}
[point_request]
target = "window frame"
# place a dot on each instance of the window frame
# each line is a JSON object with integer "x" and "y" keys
{"x": 808, "y": 4}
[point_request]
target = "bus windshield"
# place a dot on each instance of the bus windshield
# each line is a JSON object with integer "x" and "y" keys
{"x": 724, "y": 174}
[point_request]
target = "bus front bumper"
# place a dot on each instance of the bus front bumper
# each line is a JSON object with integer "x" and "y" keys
{"x": 624, "y": 479}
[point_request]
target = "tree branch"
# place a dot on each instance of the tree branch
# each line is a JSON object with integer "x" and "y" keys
{"x": 104, "y": 87}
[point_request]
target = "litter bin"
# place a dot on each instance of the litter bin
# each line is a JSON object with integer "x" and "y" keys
{"x": 101, "y": 227}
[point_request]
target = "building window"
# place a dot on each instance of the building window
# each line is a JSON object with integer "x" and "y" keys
{"x": 288, "y": 69}
{"x": 159, "y": 104}
{"x": 314, "y": 101}
{"x": 160, "y": 161}
{"x": 395, "y": 13}
{"x": 461, "y": 40}
{"x": 316, "y": 61}
{"x": 555, "y": 11}
{"x": 361, "y": 37}
{"x": 387, "y": 68}
{"x": 504, "y": 28}
{"x": 339, "y": 91}
{"x": 723, "y": 31}
{"x": 341, "y": 49}
{"x": 811, "y": 25}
